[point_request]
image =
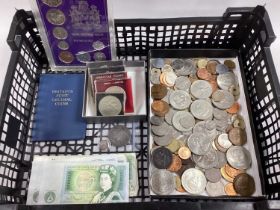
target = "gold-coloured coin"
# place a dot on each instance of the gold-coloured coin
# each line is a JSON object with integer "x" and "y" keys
{"x": 184, "y": 153}
{"x": 173, "y": 146}
{"x": 202, "y": 63}
{"x": 178, "y": 183}
{"x": 225, "y": 175}
{"x": 229, "y": 189}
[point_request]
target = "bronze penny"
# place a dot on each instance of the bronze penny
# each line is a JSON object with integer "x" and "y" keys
{"x": 160, "y": 108}
{"x": 229, "y": 189}
{"x": 225, "y": 175}
{"x": 211, "y": 66}
{"x": 237, "y": 136}
{"x": 176, "y": 164}
{"x": 188, "y": 163}
{"x": 230, "y": 64}
{"x": 229, "y": 128}
{"x": 232, "y": 172}
{"x": 161, "y": 158}
{"x": 184, "y": 153}
{"x": 158, "y": 91}
{"x": 203, "y": 74}
{"x": 244, "y": 184}
{"x": 234, "y": 108}
{"x": 66, "y": 57}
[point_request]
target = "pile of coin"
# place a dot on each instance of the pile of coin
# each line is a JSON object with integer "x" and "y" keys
{"x": 197, "y": 132}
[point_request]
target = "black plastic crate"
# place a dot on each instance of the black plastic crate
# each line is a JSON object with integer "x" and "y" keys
{"x": 246, "y": 31}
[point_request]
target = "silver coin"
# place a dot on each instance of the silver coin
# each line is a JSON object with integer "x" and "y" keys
{"x": 201, "y": 89}
{"x": 99, "y": 56}
{"x": 170, "y": 78}
{"x": 63, "y": 45}
{"x": 202, "y": 109}
{"x": 180, "y": 99}
{"x": 104, "y": 145}
{"x": 167, "y": 97}
{"x": 158, "y": 63}
{"x": 119, "y": 136}
{"x": 98, "y": 45}
{"x": 215, "y": 189}
{"x": 160, "y": 130}
{"x": 60, "y": 33}
{"x": 162, "y": 182}
{"x": 169, "y": 115}
{"x": 224, "y": 141}
{"x": 207, "y": 160}
{"x": 213, "y": 174}
{"x": 155, "y": 78}
{"x": 221, "y": 69}
{"x": 187, "y": 69}
{"x": 210, "y": 125}
{"x": 182, "y": 83}
{"x": 52, "y": 3}
{"x": 163, "y": 140}
{"x": 199, "y": 143}
{"x": 110, "y": 106}
{"x": 182, "y": 115}
{"x": 55, "y": 17}
{"x": 239, "y": 157}
{"x": 116, "y": 89}
{"x": 199, "y": 127}
{"x": 227, "y": 100}
{"x": 221, "y": 124}
{"x": 156, "y": 120}
{"x": 220, "y": 114}
{"x": 222, "y": 160}
{"x": 178, "y": 64}
{"x": 225, "y": 81}
{"x": 155, "y": 71}
{"x": 193, "y": 181}
{"x": 174, "y": 132}
{"x": 187, "y": 121}
{"x": 167, "y": 68}
{"x": 83, "y": 57}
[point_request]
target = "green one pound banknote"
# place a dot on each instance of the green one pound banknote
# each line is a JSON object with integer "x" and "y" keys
{"x": 69, "y": 181}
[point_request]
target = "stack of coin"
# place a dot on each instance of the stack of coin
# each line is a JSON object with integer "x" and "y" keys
{"x": 197, "y": 132}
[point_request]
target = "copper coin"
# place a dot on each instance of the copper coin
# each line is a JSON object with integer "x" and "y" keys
{"x": 193, "y": 78}
{"x": 161, "y": 158}
{"x": 160, "y": 108}
{"x": 203, "y": 74}
{"x": 234, "y": 108}
{"x": 178, "y": 183}
{"x": 158, "y": 91}
{"x": 229, "y": 128}
{"x": 189, "y": 163}
{"x": 225, "y": 175}
{"x": 230, "y": 64}
{"x": 66, "y": 57}
{"x": 229, "y": 189}
{"x": 237, "y": 136}
{"x": 232, "y": 172}
{"x": 184, "y": 153}
{"x": 218, "y": 146}
{"x": 211, "y": 66}
{"x": 244, "y": 184}
{"x": 176, "y": 164}
{"x": 214, "y": 85}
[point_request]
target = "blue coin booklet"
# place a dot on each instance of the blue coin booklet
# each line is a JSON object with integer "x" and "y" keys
{"x": 58, "y": 112}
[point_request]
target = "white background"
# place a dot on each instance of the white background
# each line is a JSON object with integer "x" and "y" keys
{"x": 149, "y": 9}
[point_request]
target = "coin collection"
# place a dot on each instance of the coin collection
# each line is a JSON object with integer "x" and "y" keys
{"x": 198, "y": 135}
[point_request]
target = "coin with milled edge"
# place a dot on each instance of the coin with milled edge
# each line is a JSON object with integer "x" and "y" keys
{"x": 110, "y": 106}
{"x": 201, "y": 109}
{"x": 177, "y": 64}
{"x": 188, "y": 69}
{"x": 99, "y": 56}
{"x": 160, "y": 130}
{"x": 55, "y": 16}
{"x": 161, "y": 158}
{"x": 187, "y": 121}
{"x": 178, "y": 116}
{"x": 201, "y": 89}
{"x": 213, "y": 174}
{"x": 224, "y": 141}
{"x": 221, "y": 69}
{"x": 244, "y": 184}
{"x": 119, "y": 136}
{"x": 98, "y": 45}
{"x": 215, "y": 189}
{"x": 199, "y": 144}
{"x": 163, "y": 140}
{"x": 227, "y": 100}
{"x": 63, "y": 45}
{"x": 169, "y": 116}
{"x": 222, "y": 160}
{"x": 220, "y": 114}
{"x": 52, "y": 3}
{"x": 194, "y": 181}
{"x": 182, "y": 83}
{"x": 162, "y": 182}
{"x": 207, "y": 160}
{"x": 226, "y": 80}
{"x": 60, "y": 33}
{"x": 180, "y": 99}
{"x": 156, "y": 120}
{"x": 66, "y": 57}
{"x": 158, "y": 63}
{"x": 116, "y": 89}
{"x": 239, "y": 157}
{"x": 83, "y": 57}
{"x": 237, "y": 136}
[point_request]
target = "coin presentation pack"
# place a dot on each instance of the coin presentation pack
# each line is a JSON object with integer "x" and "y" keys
{"x": 75, "y": 32}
